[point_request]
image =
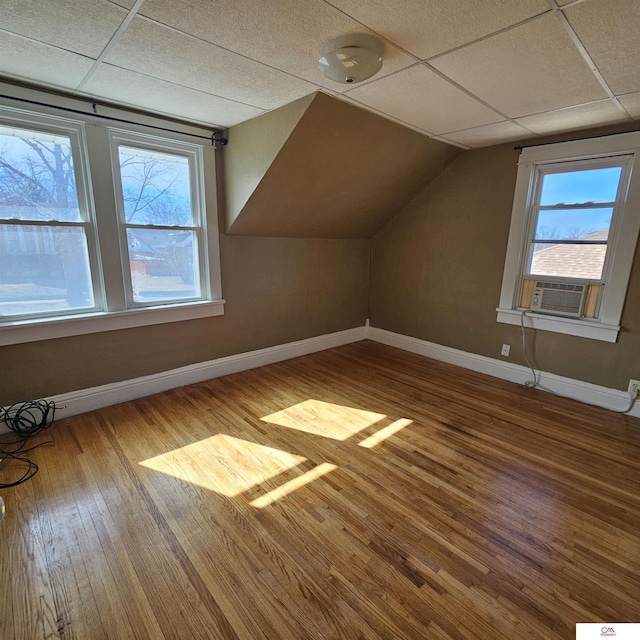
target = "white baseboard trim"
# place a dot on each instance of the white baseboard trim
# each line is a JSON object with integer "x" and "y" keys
{"x": 576, "y": 389}
{"x": 75, "y": 402}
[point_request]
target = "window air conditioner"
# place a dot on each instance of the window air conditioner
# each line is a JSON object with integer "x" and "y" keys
{"x": 559, "y": 298}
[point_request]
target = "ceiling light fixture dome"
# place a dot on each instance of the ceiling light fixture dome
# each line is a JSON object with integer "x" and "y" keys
{"x": 353, "y": 62}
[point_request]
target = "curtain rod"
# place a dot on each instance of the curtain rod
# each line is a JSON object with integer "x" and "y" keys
{"x": 543, "y": 144}
{"x": 213, "y": 139}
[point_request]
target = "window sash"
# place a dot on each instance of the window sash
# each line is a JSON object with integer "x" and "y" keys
{"x": 91, "y": 143}
{"x": 193, "y": 154}
{"x": 623, "y": 236}
{"x": 56, "y": 129}
{"x": 541, "y": 170}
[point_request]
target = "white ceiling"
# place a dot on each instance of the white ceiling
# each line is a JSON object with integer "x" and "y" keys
{"x": 470, "y": 72}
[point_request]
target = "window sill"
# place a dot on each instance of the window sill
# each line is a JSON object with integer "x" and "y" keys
{"x": 583, "y": 328}
{"x": 34, "y": 330}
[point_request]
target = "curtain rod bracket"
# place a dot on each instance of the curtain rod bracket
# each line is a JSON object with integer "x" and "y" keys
{"x": 215, "y": 140}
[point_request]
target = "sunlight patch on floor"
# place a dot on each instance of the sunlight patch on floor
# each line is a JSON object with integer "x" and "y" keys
{"x": 384, "y": 433}
{"x": 224, "y": 464}
{"x": 292, "y": 485}
{"x": 324, "y": 419}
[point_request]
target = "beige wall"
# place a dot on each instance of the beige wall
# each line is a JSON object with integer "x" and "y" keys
{"x": 353, "y": 169}
{"x": 253, "y": 146}
{"x": 437, "y": 271}
{"x": 436, "y": 274}
{"x": 276, "y": 290}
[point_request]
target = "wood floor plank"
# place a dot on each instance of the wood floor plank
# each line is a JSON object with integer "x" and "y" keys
{"x": 359, "y": 492}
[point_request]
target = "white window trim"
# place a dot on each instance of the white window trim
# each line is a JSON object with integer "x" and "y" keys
{"x": 193, "y": 153}
{"x": 75, "y": 132}
{"x": 82, "y": 324}
{"x": 33, "y": 329}
{"x": 622, "y": 243}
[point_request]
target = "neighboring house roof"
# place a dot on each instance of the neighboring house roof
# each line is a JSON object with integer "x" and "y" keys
{"x": 572, "y": 260}
{"x": 16, "y": 205}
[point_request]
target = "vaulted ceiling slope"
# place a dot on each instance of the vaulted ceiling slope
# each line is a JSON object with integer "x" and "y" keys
{"x": 470, "y": 72}
{"x": 322, "y": 168}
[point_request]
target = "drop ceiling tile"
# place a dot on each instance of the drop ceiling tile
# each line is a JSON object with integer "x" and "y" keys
{"x": 166, "y": 54}
{"x": 285, "y": 34}
{"x": 579, "y": 117}
{"x": 489, "y": 134}
{"x": 422, "y": 98}
{"x": 609, "y": 31}
{"x": 82, "y": 26}
{"x": 347, "y": 98}
{"x": 428, "y": 28}
{"x": 529, "y": 69}
{"x": 136, "y": 90}
{"x": 631, "y": 102}
{"x": 36, "y": 62}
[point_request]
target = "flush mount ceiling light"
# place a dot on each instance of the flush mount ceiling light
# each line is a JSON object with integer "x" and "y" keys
{"x": 353, "y": 62}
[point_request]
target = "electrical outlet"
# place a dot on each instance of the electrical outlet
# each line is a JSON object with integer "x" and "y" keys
{"x": 506, "y": 348}
{"x": 634, "y": 385}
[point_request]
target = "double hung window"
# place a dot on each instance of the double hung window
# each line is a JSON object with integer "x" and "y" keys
{"x": 161, "y": 228}
{"x": 102, "y": 232}
{"x": 573, "y": 232}
{"x": 47, "y": 240}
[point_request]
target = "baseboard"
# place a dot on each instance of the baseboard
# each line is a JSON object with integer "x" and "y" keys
{"x": 84, "y": 400}
{"x": 576, "y": 389}
{"x": 75, "y": 402}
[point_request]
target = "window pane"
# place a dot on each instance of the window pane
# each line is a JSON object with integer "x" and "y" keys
{"x": 155, "y": 187}
{"x": 573, "y": 224}
{"x": 568, "y": 260}
{"x": 43, "y": 269}
{"x": 578, "y": 187}
{"x": 37, "y": 180}
{"x": 164, "y": 264}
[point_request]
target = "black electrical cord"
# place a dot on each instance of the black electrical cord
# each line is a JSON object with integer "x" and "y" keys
{"x": 26, "y": 420}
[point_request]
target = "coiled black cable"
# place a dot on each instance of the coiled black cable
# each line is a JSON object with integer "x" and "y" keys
{"x": 26, "y": 420}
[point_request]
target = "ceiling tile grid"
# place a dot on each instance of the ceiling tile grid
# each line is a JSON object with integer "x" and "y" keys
{"x": 286, "y": 34}
{"x": 570, "y": 118}
{"x": 473, "y": 72}
{"x": 169, "y": 55}
{"x": 30, "y": 60}
{"x": 631, "y": 102}
{"x": 532, "y": 68}
{"x": 609, "y": 31}
{"x": 136, "y": 90}
{"x": 426, "y": 29}
{"x": 498, "y": 132}
{"x": 80, "y": 26}
{"x": 430, "y": 102}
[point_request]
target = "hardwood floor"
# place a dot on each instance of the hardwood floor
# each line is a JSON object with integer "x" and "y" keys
{"x": 361, "y": 492}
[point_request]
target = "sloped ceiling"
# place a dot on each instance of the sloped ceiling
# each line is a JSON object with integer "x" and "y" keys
{"x": 322, "y": 168}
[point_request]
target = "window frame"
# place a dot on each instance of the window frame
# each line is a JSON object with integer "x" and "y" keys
{"x": 95, "y": 183}
{"x": 193, "y": 153}
{"x": 575, "y": 166}
{"x": 621, "y": 244}
{"x": 75, "y": 132}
